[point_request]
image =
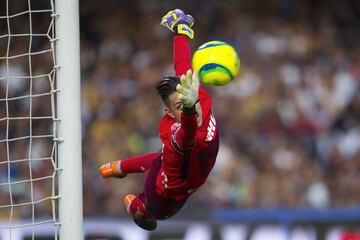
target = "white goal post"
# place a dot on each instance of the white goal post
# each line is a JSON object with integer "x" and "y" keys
{"x": 69, "y": 113}
{"x": 40, "y": 120}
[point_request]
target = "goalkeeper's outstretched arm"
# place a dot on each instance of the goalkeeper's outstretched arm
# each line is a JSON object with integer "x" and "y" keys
{"x": 181, "y": 24}
{"x": 182, "y": 54}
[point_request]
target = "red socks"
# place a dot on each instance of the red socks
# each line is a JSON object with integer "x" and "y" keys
{"x": 137, "y": 209}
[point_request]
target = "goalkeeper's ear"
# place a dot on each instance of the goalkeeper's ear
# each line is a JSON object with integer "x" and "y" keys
{"x": 169, "y": 113}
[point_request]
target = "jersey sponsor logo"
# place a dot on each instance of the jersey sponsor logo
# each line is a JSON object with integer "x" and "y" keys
{"x": 211, "y": 129}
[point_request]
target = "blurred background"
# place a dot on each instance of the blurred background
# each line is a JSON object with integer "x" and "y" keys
{"x": 289, "y": 123}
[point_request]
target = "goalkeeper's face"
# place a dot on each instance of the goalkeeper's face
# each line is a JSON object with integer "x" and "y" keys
{"x": 174, "y": 105}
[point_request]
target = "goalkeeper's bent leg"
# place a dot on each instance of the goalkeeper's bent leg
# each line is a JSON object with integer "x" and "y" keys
{"x": 136, "y": 209}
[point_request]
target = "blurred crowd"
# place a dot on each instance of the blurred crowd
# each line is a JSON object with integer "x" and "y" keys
{"x": 289, "y": 123}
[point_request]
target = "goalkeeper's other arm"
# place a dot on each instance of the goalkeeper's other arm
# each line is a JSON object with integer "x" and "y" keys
{"x": 179, "y": 23}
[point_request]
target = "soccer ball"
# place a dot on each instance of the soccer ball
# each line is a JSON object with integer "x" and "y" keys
{"x": 216, "y": 62}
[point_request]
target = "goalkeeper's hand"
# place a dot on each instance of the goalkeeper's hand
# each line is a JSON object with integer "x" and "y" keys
{"x": 188, "y": 90}
{"x": 179, "y": 22}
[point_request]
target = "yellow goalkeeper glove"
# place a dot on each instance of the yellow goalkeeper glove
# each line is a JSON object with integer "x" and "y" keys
{"x": 179, "y": 23}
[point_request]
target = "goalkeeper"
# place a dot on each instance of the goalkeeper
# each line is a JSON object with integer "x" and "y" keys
{"x": 188, "y": 131}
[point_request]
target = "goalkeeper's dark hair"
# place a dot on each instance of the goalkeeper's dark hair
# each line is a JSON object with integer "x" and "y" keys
{"x": 167, "y": 86}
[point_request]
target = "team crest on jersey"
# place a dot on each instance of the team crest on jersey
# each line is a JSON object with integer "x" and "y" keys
{"x": 211, "y": 129}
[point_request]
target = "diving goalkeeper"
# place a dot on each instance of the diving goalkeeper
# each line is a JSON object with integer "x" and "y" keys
{"x": 188, "y": 132}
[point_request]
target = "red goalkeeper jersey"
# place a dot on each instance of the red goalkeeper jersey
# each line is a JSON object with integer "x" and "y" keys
{"x": 188, "y": 152}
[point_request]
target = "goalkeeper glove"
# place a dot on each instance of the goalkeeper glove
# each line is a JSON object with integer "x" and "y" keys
{"x": 189, "y": 91}
{"x": 179, "y": 23}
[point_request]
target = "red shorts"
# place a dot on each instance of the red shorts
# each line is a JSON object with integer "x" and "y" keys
{"x": 157, "y": 206}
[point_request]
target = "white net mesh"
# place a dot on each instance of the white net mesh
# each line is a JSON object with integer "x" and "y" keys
{"x": 28, "y": 143}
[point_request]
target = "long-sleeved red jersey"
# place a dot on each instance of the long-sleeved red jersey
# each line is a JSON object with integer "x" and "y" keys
{"x": 180, "y": 139}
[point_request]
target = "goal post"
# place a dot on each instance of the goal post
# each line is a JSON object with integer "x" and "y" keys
{"x": 67, "y": 55}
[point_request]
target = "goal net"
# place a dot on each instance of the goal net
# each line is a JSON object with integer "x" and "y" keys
{"x": 29, "y": 136}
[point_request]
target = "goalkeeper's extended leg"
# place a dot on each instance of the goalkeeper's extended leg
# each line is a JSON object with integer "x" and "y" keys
{"x": 121, "y": 168}
{"x": 136, "y": 208}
